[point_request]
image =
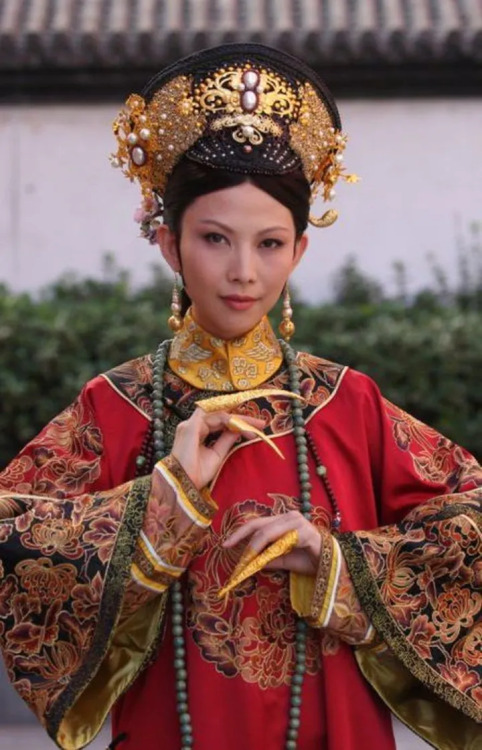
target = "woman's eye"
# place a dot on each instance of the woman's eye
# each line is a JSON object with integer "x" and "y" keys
{"x": 271, "y": 242}
{"x": 214, "y": 238}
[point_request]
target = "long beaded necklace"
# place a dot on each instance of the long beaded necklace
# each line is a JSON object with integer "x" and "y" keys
{"x": 304, "y": 442}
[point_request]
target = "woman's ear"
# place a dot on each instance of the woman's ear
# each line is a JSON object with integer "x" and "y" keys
{"x": 300, "y": 246}
{"x": 168, "y": 245}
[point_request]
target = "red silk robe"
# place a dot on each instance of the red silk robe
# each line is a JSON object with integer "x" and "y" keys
{"x": 70, "y": 515}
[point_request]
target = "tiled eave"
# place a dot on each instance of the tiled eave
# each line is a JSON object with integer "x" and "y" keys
{"x": 57, "y": 49}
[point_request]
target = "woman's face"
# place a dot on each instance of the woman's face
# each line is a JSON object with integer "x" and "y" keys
{"x": 237, "y": 250}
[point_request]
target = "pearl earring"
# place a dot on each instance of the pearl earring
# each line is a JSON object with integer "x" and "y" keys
{"x": 286, "y": 327}
{"x": 175, "y": 320}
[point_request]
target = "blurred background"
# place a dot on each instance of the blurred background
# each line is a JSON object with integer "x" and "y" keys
{"x": 393, "y": 288}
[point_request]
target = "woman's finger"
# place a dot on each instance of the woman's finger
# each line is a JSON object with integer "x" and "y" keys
{"x": 261, "y": 531}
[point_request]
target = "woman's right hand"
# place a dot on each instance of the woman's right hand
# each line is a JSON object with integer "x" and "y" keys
{"x": 199, "y": 461}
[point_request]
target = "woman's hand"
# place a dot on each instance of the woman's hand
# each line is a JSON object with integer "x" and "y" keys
{"x": 199, "y": 461}
{"x": 260, "y": 532}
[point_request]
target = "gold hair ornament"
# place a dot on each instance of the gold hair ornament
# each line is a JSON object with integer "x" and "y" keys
{"x": 244, "y": 100}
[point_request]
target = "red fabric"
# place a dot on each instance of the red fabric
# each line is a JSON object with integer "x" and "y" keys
{"x": 352, "y": 434}
{"x": 240, "y": 656}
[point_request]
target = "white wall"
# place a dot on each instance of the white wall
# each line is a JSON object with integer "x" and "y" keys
{"x": 62, "y": 205}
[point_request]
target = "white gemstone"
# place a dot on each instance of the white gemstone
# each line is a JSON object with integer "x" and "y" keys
{"x": 161, "y": 131}
{"x": 138, "y": 156}
{"x": 145, "y": 133}
{"x": 250, "y": 78}
{"x": 339, "y": 158}
{"x": 331, "y": 194}
{"x": 132, "y": 139}
{"x": 163, "y": 116}
{"x": 115, "y": 162}
{"x": 248, "y": 130}
{"x": 170, "y": 147}
{"x": 143, "y": 118}
{"x": 249, "y": 100}
{"x": 158, "y": 157}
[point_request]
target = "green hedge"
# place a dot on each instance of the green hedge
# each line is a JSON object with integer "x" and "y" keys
{"x": 426, "y": 356}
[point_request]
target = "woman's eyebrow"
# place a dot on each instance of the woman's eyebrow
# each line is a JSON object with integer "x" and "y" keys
{"x": 228, "y": 229}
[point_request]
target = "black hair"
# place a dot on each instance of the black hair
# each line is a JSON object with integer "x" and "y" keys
{"x": 190, "y": 180}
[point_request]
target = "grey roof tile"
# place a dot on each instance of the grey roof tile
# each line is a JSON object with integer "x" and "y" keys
{"x": 78, "y": 33}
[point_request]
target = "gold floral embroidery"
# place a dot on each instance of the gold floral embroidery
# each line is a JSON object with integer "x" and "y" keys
{"x": 415, "y": 581}
{"x": 435, "y": 458}
{"x": 209, "y": 363}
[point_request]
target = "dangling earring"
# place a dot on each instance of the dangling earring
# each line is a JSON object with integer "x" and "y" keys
{"x": 175, "y": 321}
{"x": 286, "y": 327}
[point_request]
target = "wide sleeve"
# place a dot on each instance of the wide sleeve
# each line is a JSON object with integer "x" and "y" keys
{"x": 419, "y": 580}
{"x": 76, "y": 625}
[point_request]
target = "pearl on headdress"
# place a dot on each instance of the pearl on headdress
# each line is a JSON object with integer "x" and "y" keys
{"x": 145, "y": 133}
{"x": 132, "y": 139}
{"x": 250, "y": 78}
{"x": 339, "y": 158}
{"x": 170, "y": 147}
{"x": 331, "y": 194}
{"x": 249, "y": 100}
{"x": 115, "y": 162}
{"x": 138, "y": 156}
{"x": 142, "y": 118}
{"x": 161, "y": 131}
{"x": 247, "y": 130}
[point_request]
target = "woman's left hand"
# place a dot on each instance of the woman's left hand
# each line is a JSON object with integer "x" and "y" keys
{"x": 261, "y": 532}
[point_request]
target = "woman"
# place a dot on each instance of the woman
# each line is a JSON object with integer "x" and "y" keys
{"x": 126, "y": 522}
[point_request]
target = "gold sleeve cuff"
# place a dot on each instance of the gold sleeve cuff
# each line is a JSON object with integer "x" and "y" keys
{"x": 197, "y": 504}
{"x": 312, "y": 597}
{"x": 150, "y": 568}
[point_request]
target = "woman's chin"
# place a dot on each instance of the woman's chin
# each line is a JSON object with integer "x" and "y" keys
{"x": 232, "y": 324}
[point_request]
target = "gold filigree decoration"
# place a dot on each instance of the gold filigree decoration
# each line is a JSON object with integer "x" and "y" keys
{"x": 152, "y": 137}
{"x": 249, "y": 128}
{"x": 224, "y": 91}
{"x": 251, "y": 102}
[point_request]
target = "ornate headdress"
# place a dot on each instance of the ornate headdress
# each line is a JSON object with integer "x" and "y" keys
{"x": 242, "y": 107}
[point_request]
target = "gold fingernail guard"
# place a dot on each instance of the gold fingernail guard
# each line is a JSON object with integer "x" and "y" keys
{"x": 281, "y": 547}
{"x": 238, "y": 424}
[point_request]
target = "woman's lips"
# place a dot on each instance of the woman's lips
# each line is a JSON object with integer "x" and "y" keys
{"x": 238, "y": 302}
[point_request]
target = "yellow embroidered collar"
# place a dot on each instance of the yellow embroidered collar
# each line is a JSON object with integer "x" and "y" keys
{"x": 207, "y": 362}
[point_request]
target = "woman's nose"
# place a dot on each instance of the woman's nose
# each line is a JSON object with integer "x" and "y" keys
{"x": 243, "y": 265}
